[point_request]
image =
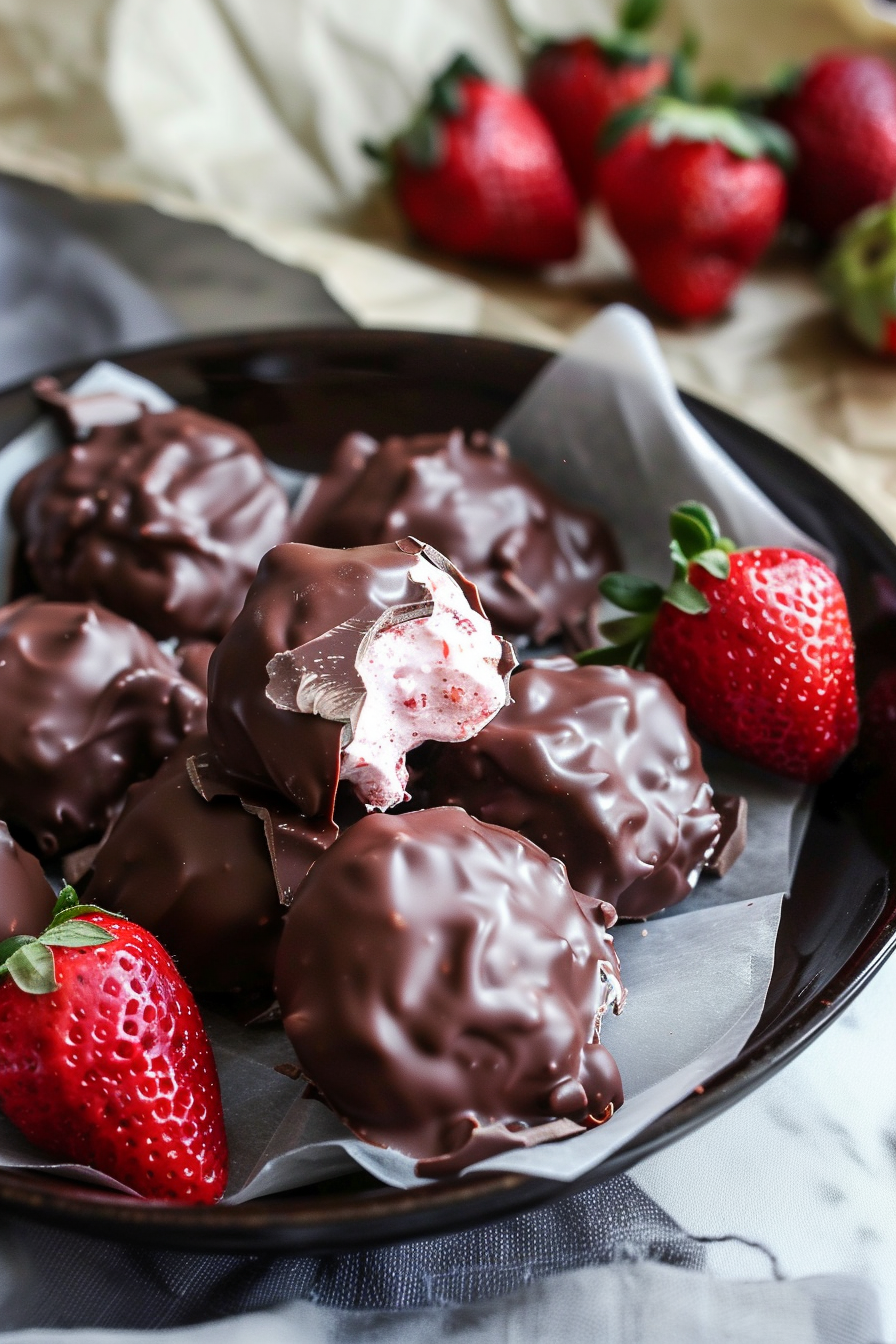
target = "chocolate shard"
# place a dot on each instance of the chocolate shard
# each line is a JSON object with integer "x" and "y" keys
{"x": 732, "y": 841}
{"x": 82, "y": 414}
{"x": 26, "y": 897}
{"x": 535, "y": 559}
{"x": 442, "y": 984}
{"x": 198, "y": 875}
{"x": 293, "y": 841}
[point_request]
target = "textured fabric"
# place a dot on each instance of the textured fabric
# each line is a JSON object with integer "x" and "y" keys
{"x": 626, "y": 1304}
{"x": 62, "y": 299}
{"x": 97, "y": 1283}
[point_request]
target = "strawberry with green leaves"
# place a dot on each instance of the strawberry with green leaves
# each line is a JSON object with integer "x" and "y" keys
{"x": 104, "y": 1060}
{"x": 579, "y": 82}
{"x": 696, "y": 194}
{"x": 841, "y": 112}
{"x": 755, "y": 643}
{"x": 477, "y": 173}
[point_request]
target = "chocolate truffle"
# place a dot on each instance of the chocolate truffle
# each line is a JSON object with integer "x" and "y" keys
{"x": 597, "y": 766}
{"x": 88, "y": 704}
{"x": 536, "y": 559}
{"x": 339, "y": 662}
{"x": 26, "y": 897}
{"x": 439, "y": 976}
{"x": 198, "y": 875}
{"x": 163, "y": 519}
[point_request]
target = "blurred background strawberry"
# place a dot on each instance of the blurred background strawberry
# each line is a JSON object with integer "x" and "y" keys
{"x": 477, "y": 172}
{"x": 578, "y": 83}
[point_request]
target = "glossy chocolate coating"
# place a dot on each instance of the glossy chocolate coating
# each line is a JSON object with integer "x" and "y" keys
{"x": 89, "y": 703}
{"x": 301, "y": 593}
{"x": 535, "y": 558}
{"x": 26, "y": 897}
{"x": 195, "y": 873}
{"x": 162, "y": 519}
{"x": 597, "y": 766}
{"x": 438, "y": 975}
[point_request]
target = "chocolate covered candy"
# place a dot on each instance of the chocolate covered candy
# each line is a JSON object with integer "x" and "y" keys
{"x": 440, "y": 979}
{"x": 26, "y": 897}
{"x": 339, "y": 662}
{"x": 597, "y": 766}
{"x": 198, "y": 875}
{"x": 535, "y": 558}
{"x": 88, "y": 704}
{"x": 163, "y": 518}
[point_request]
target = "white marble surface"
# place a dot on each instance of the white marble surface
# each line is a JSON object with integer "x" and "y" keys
{"x": 806, "y": 1165}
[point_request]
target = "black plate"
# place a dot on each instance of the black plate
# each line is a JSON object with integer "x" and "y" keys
{"x": 297, "y": 392}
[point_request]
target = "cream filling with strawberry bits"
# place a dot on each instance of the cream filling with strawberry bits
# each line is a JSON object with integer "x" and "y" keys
{"x": 434, "y": 679}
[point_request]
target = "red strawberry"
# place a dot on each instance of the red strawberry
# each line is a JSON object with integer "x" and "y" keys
{"x": 694, "y": 196}
{"x": 478, "y": 173}
{"x": 579, "y": 83}
{"x": 756, "y": 644}
{"x": 842, "y": 115}
{"x": 104, "y": 1059}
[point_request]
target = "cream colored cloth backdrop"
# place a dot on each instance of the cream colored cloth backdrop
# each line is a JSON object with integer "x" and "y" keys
{"x": 249, "y": 113}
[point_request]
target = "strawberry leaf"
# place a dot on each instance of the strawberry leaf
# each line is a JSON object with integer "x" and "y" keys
{"x": 32, "y": 968}
{"x": 686, "y": 598}
{"x": 630, "y": 592}
{"x": 12, "y": 944}
{"x": 618, "y": 126}
{"x": 66, "y": 900}
{"x": 703, "y": 514}
{"x": 636, "y": 15}
{"x": 715, "y": 562}
{"x": 614, "y": 655}
{"x": 76, "y": 933}
{"x": 627, "y": 628}
{"x": 690, "y": 534}
{"x": 75, "y": 912}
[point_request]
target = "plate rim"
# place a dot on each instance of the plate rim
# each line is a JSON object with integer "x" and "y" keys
{"x": 321, "y": 1223}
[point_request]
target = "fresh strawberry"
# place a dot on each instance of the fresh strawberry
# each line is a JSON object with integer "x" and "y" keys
{"x": 756, "y": 644}
{"x": 577, "y": 85}
{"x": 842, "y": 115}
{"x": 695, "y": 196}
{"x": 860, "y": 277}
{"x": 478, "y": 173}
{"x": 104, "y": 1060}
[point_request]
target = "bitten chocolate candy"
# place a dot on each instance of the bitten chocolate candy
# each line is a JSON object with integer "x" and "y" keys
{"x": 26, "y": 897}
{"x": 535, "y": 558}
{"x": 292, "y": 680}
{"x": 88, "y": 704}
{"x": 196, "y": 874}
{"x": 439, "y": 977}
{"x": 163, "y": 519}
{"x": 597, "y": 766}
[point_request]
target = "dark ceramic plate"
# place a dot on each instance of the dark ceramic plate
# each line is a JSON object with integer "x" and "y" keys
{"x": 297, "y": 392}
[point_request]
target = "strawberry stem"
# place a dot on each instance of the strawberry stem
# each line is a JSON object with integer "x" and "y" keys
{"x": 696, "y": 539}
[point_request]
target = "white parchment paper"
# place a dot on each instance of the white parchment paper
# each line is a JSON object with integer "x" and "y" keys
{"x": 604, "y": 424}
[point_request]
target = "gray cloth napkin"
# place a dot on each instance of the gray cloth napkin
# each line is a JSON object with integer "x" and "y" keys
{"x": 604, "y": 1264}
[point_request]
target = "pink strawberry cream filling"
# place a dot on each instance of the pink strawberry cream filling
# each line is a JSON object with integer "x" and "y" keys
{"x": 434, "y": 678}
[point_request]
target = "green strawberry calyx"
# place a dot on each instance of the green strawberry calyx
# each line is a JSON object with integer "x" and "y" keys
{"x": 668, "y": 118}
{"x": 29, "y": 961}
{"x": 626, "y": 46}
{"x": 860, "y": 274}
{"x": 696, "y": 539}
{"x": 421, "y": 142}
